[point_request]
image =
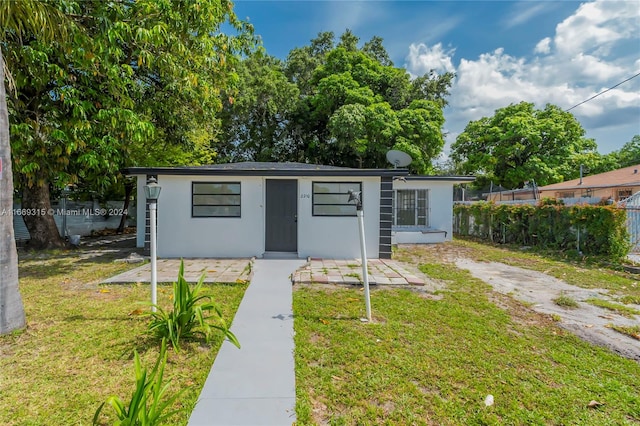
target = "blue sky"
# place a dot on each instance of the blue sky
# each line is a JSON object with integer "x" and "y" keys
{"x": 503, "y": 52}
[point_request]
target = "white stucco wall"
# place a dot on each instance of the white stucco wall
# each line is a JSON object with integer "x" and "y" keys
{"x": 337, "y": 237}
{"x": 440, "y": 212}
{"x": 180, "y": 235}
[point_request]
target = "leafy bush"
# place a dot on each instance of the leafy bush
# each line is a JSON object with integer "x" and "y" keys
{"x": 145, "y": 408}
{"x": 593, "y": 230}
{"x": 194, "y": 314}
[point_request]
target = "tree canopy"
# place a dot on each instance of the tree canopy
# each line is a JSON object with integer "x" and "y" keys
{"x": 254, "y": 123}
{"x": 138, "y": 82}
{"x": 629, "y": 154}
{"x": 336, "y": 104}
{"x": 520, "y": 143}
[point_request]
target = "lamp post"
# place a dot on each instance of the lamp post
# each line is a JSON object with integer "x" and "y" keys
{"x": 152, "y": 192}
{"x": 357, "y": 197}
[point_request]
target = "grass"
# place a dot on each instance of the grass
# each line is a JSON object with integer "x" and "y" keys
{"x": 565, "y": 301}
{"x": 630, "y": 300}
{"x": 434, "y": 360}
{"x": 422, "y": 360}
{"x": 78, "y": 347}
{"x": 629, "y": 330}
{"x": 614, "y": 307}
{"x": 587, "y": 273}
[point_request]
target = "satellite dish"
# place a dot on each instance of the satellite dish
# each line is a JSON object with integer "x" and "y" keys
{"x": 398, "y": 158}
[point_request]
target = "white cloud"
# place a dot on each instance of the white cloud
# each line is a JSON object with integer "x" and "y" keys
{"x": 523, "y": 12}
{"x": 422, "y": 59}
{"x": 543, "y": 46}
{"x": 596, "y": 26}
{"x": 592, "y": 50}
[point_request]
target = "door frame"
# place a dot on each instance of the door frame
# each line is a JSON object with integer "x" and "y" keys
{"x": 294, "y": 210}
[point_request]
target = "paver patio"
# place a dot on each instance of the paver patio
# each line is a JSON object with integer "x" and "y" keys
{"x": 315, "y": 271}
{"x": 215, "y": 270}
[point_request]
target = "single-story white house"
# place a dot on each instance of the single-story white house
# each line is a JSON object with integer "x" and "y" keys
{"x": 301, "y": 210}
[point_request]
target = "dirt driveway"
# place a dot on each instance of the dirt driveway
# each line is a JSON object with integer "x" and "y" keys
{"x": 537, "y": 291}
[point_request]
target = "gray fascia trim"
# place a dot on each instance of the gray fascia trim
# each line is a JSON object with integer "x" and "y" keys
{"x": 185, "y": 171}
{"x": 460, "y": 179}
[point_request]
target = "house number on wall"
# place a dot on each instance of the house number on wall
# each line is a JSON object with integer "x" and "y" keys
{"x": 305, "y": 195}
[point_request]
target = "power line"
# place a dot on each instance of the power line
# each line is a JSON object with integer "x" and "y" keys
{"x": 604, "y": 91}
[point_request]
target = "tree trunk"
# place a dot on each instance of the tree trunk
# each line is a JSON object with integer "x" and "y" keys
{"x": 41, "y": 225}
{"x": 128, "y": 190}
{"x": 11, "y": 309}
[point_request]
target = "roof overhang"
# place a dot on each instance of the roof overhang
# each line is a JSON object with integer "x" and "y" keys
{"x": 454, "y": 179}
{"x": 262, "y": 171}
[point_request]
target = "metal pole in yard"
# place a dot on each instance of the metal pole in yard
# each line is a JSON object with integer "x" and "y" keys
{"x": 154, "y": 268}
{"x": 365, "y": 273}
{"x": 152, "y": 192}
{"x": 357, "y": 197}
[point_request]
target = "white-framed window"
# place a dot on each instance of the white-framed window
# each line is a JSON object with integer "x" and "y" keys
{"x": 411, "y": 208}
{"x": 332, "y": 198}
{"x": 215, "y": 199}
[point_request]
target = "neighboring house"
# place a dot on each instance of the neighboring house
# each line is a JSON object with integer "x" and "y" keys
{"x": 301, "y": 210}
{"x": 615, "y": 185}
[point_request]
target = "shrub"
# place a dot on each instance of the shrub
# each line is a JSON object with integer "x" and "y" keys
{"x": 145, "y": 408}
{"x": 593, "y": 230}
{"x": 194, "y": 314}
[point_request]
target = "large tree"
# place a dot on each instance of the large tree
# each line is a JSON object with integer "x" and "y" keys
{"x": 359, "y": 108}
{"x": 16, "y": 19}
{"x": 254, "y": 122}
{"x": 520, "y": 143}
{"x": 629, "y": 154}
{"x": 139, "y": 86}
{"x": 11, "y": 309}
{"x": 354, "y": 105}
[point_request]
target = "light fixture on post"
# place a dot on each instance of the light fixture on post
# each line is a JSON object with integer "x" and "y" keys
{"x": 152, "y": 192}
{"x": 357, "y": 197}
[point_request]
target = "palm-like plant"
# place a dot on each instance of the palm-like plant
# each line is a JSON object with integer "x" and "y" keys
{"x": 146, "y": 406}
{"x": 16, "y": 18}
{"x": 194, "y": 314}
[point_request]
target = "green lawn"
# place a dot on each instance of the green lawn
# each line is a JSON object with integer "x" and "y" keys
{"x": 78, "y": 347}
{"x": 433, "y": 359}
{"x": 426, "y": 359}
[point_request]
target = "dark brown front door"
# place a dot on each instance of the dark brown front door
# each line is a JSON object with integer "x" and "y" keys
{"x": 281, "y": 215}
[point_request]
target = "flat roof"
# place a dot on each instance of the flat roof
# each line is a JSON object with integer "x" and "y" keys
{"x": 250, "y": 168}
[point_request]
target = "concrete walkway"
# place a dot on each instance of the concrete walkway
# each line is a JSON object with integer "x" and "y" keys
{"x": 255, "y": 385}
